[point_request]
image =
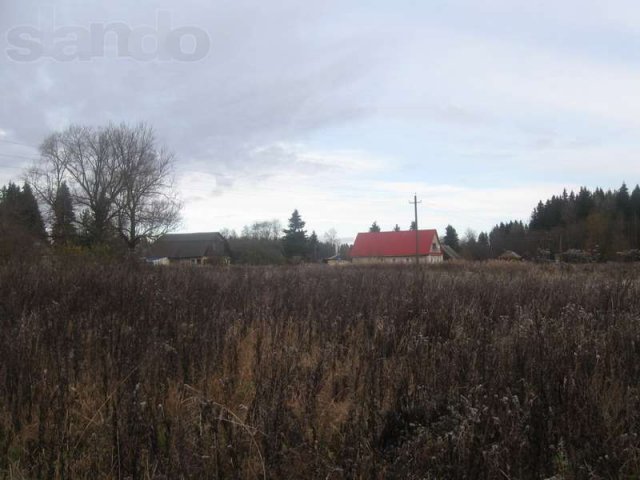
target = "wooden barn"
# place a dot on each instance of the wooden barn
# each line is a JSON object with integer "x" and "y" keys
{"x": 190, "y": 248}
{"x": 397, "y": 247}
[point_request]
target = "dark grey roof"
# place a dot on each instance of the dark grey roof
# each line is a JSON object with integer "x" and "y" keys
{"x": 510, "y": 255}
{"x": 189, "y": 245}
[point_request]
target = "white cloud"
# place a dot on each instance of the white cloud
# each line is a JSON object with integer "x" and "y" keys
{"x": 351, "y": 201}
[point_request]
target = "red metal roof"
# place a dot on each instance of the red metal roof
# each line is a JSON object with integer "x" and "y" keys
{"x": 394, "y": 244}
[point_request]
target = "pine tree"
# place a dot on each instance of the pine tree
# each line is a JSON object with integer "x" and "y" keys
{"x": 295, "y": 237}
{"x": 451, "y": 237}
{"x": 396, "y": 228}
{"x": 63, "y": 231}
{"x": 413, "y": 225}
{"x": 374, "y": 228}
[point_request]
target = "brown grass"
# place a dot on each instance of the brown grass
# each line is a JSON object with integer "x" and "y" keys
{"x": 457, "y": 371}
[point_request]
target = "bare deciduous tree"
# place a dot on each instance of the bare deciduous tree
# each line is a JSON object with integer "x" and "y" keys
{"x": 331, "y": 236}
{"x": 263, "y": 230}
{"x": 117, "y": 173}
{"x": 47, "y": 175}
{"x": 146, "y": 205}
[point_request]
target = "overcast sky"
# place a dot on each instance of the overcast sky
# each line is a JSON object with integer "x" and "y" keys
{"x": 344, "y": 109}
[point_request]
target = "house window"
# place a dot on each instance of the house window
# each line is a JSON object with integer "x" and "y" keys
{"x": 434, "y": 247}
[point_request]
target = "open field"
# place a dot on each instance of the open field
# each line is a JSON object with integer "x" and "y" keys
{"x": 459, "y": 371}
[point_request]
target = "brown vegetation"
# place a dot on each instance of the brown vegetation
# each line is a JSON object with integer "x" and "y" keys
{"x": 458, "y": 371}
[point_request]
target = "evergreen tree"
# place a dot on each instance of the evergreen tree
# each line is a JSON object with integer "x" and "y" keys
{"x": 20, "y": 210}
{"x": 584, "y": 203}
{"x": 326, "y": 250}
{"x": 634, "y": 201}
{"x": 508, "y": 236}
{"x": 374, "y": 228}
{"x": 623, "y": 201}
{"x": 482, "y": 247}
{"x": 468, "y": 246}
{"x": 11, "y": 200}
{"x": 413, "y": 225}
{"x": 396, "y": 228}
{"x": 537, "y": 217}
{"x": 295, "y": 237}
{"x": 634, "y": 207}
{"x": 63, "y": 231}
{"x": 606, "y": 220}
{"x": 314, "y": 245}
{"x": 345, "y": 251}
{"x": 30, "y": 214}
{"x": 87, "y": 228}
{"x": 451, "y": 238}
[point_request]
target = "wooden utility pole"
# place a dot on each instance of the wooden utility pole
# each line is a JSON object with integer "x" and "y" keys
{"x": 415, "y": 209}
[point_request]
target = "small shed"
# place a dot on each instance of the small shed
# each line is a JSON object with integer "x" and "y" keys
{"x": 335, "y": 260}
{"x": 157, "y": 261}
{"x": 510, "y": 256}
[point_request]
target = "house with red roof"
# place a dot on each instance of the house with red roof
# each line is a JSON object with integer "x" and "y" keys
{"x": 397, "y": 247}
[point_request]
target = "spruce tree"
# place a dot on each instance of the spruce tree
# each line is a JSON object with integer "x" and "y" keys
{"x": 11, "y": 198}
{"x": 451, "y": 237}
{"x": 483, "y": 249}
{"x": 374, "y": 228}
{"x": 63, "y": 231}
{"x": 30, "y": 214}
{"x": 313, "y": 245}
{"x": 396, "y": 228}
{"x": 634, "y": 202}
{"x": 623, "y": 201}
{"x": 19, "y": 209}
{"x": 86, "y": 231}
{"x": 295, "y": 237}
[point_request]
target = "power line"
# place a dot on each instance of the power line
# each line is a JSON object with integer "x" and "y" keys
{"x": 11, "y": 155}
{"x": 16, "y": 143}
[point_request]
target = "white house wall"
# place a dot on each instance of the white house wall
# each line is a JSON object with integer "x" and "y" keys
{"x": 425, "y": 259}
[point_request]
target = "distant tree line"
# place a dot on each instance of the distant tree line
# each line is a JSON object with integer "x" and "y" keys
{"x": 267, "y": 243}
{"x": 601, "y": 224}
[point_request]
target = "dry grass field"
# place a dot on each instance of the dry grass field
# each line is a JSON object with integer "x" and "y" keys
{"x": 457, "y": 371}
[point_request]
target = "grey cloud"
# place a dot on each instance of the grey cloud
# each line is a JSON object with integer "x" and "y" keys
{"x": 267, "y": 78}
